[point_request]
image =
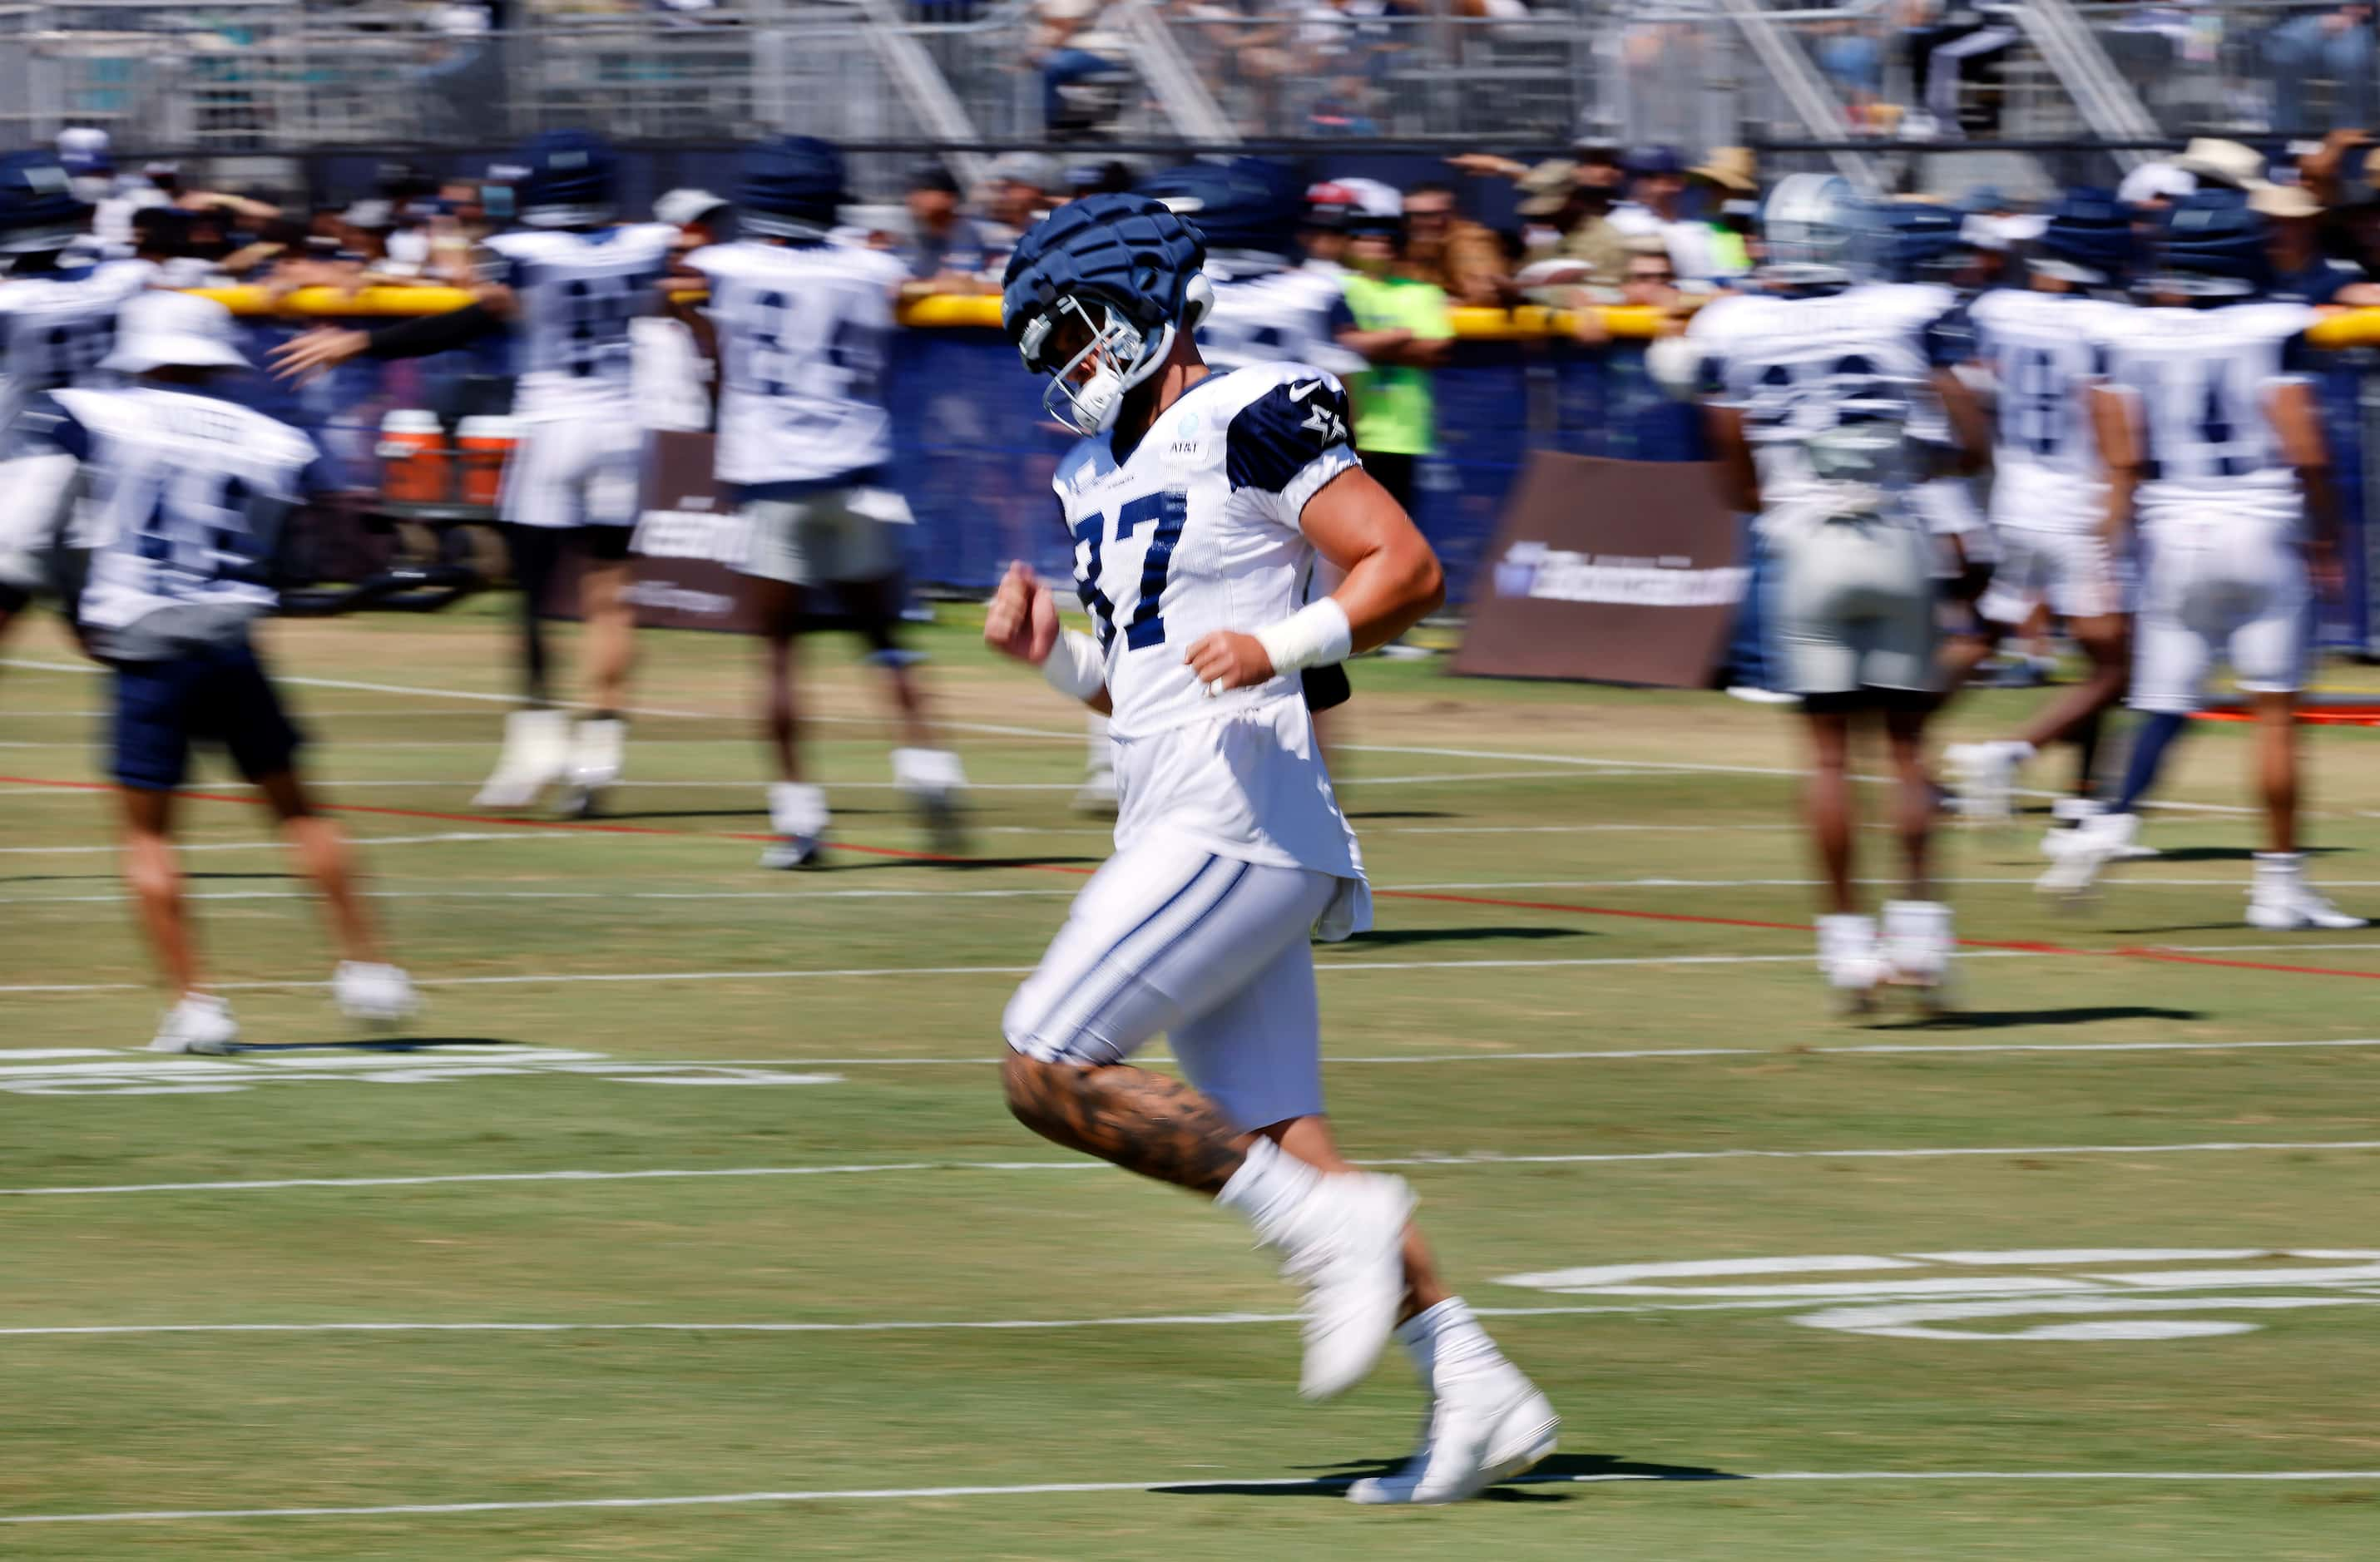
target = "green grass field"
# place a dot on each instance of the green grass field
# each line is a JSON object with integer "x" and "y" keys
{"x": 734, "y": 1141}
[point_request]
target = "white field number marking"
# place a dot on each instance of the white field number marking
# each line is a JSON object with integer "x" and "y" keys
{"x": 106, "y": 1071}
{"x": 1915, "y": 1295}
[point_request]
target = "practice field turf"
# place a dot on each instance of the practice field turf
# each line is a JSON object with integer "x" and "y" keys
{"x": 692, "y": 1225}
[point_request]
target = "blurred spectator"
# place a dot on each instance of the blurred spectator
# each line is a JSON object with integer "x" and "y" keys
{"x": 159, "y": 236}
{"x": 2301, "y": 273}
{"x": 1019, "y": 192}
{"x": 1851, "y": 54}
{"x": 1083, "y": 78}
{"x": 1323, "y": 233}
{"x": 1963, "y": 48}
{"x": 1648, "y": 281}
{"x": 1565, "y": 205}
{"x": 1725, "y": 179}
{"x": 1399, "y": 325}
{"x": 945, "y": 250}
{"x": 1460, "y": 257}
{"x": 1657, "y": 207}
{"x": 2332, "y": 47}
{"x": 2209, "y": 160}
{"x": 1109, "y": 177}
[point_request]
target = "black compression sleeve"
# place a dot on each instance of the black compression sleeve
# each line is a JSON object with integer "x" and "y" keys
{"x": 433, "y": 333}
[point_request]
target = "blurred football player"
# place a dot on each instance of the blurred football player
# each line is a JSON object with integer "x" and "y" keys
{"x": 2038, "y": 347}
{"x": 2211, "y": 432}
{"x": 57, "y": 320}
{"x": 1820, "y": 413}
{"x": 567, "y": 282}
{"x": 801, "y": 329}
{"x": 191, "y": 490}
{"x": 1197, "y": 502}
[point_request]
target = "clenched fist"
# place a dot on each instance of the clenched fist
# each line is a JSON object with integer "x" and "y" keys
{"x": 1022, "y": 621}
{"x": 1226, "y": 660}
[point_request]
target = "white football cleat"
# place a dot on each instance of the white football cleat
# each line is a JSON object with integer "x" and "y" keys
{"x": 934, "y": 782}
{"x": 1482, "y": 1427}
{"x": 1346, "y": 1250}
{"x": 1985, "y": 777}
{"x": 599, "y": 750}
{"x": 2282, "y": 902}
{"x": 1917, "y": 944}
{"x": 197, "y": 1024}
{"x": 381, "y": 994}
{"x": 797, "y": 813}
{"x": 1853, "y": 964}
{"x": 2084, "y": 851}
{"x": 536, "y": 754}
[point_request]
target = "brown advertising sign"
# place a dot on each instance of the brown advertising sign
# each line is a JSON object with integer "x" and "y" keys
{"x": 1617, "y": 572}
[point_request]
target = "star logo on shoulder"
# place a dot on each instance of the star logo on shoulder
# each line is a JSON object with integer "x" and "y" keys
{"x": 1324, "y": 424}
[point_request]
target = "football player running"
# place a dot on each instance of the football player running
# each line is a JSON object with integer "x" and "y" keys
{"x": 567, "y": 282}
{"x": 2213, "y": 442}
{"x": 57, "y": 322}
{"x": 191, "y": 488}
{"x": 1197, "y": 501}
{"x": 800, "y": 327}
{"x": 2037, "y": 345}
{"x": 1823, "y": 397}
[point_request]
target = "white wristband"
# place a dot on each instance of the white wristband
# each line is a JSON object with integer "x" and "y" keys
{"x": 1317, "y": 634}
{"x": 1075, "y": 666}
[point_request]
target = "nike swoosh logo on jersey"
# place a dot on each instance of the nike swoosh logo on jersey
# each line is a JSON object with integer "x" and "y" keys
{"x": 1299, "y": 392}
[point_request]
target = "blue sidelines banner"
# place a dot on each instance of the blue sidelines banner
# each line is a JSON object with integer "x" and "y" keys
{"x": 973, "y": 451}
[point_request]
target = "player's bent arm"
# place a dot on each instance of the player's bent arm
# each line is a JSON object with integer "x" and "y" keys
{"x": 1021, "y": 623}
{"x": 1393, "y": 579}
{"x": 2120, "y": 452}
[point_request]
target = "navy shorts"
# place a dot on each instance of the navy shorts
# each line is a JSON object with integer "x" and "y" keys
{"x": 216, "y": 697}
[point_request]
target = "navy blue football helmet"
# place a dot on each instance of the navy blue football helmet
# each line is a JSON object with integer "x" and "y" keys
{"x": 1910, "y": 241}
{"x": 2087, "y": 240}
{"x": 39, "y": 211}
{"x": 790, "y": 188}
{"x": 1094, "y": 296}
{"x": 2213, "y": 246}
{"x": 1247, "y": 205}
{"x": 568, "y": 180}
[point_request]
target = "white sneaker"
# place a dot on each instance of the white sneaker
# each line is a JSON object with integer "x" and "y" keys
{"x": 382, "y": 994}
{"x": 797, "y": 813}
{"x": 197, "y": 1024}
{"x": 1985, "y": 777}
{"x": 1097, "y": 796}
{"x": 1917, "y": 944}
{"x": 1347, "y": 1253}
{"x": 536, "y": 752}
{"x": 599, "y": 750}
{"x": 1752, "y": 694}
{"x": 2282, "y": 902}
{"x": 1848, "y": 955}
{"x": 2086, "y": 852}
{"x": 1483, "y": 1427}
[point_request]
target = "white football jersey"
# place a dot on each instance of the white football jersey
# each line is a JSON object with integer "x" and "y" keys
{"x": 54, "y": 328}
{"x": 1279, "y": 317}
{"x": 576, "y": 293}
{"x": 1197, "y": 529}
{"x": 190, "y": 489}
{"x": 2044, "y": 353}
{"x": 2200, "y": 380}
{"x": 803, "y": 336}
{"x": 1775, "y": 356}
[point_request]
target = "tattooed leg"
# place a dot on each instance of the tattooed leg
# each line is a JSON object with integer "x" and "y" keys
{"x": 1145, "y": 1123}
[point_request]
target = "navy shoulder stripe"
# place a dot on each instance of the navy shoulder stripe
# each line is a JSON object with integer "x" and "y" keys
{"x": 1280, "y": 433}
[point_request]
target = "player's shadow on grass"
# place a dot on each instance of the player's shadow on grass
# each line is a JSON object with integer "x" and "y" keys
{"x": 374, "y": 1044}
{"x": 2229, "y": 854}
{"x": 1388, "y": 937}
{"x": 1559, "y": 1471}
{"x": 1399, "y": 814}
{"x": 2009, "y": 1019}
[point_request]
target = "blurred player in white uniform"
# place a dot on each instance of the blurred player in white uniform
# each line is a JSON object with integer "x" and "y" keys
{"x": 57, "y": 322}
{"x": 2213, "y": 441}
{"x": 1821, "y": 387}
{"x": 191, "y": 490}
{"x": 802, "y": 326}
{"x": 567, "y": 282}
{"x": 1197, "y": 501}
{"x": 2038, "y": 347}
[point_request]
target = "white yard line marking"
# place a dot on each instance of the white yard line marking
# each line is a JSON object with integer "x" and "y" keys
{"x": 1219, "y": 1485}
{"x": 1327, "y": 967}
{"x": 1432, "y": 1162}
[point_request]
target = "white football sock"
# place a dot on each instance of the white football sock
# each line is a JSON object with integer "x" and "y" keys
{"x": 1443, "y": 1337}
{"x": 797, "y": 808}
{"x": 934, "y": 771}
{"x": 1270, "y": 1188}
